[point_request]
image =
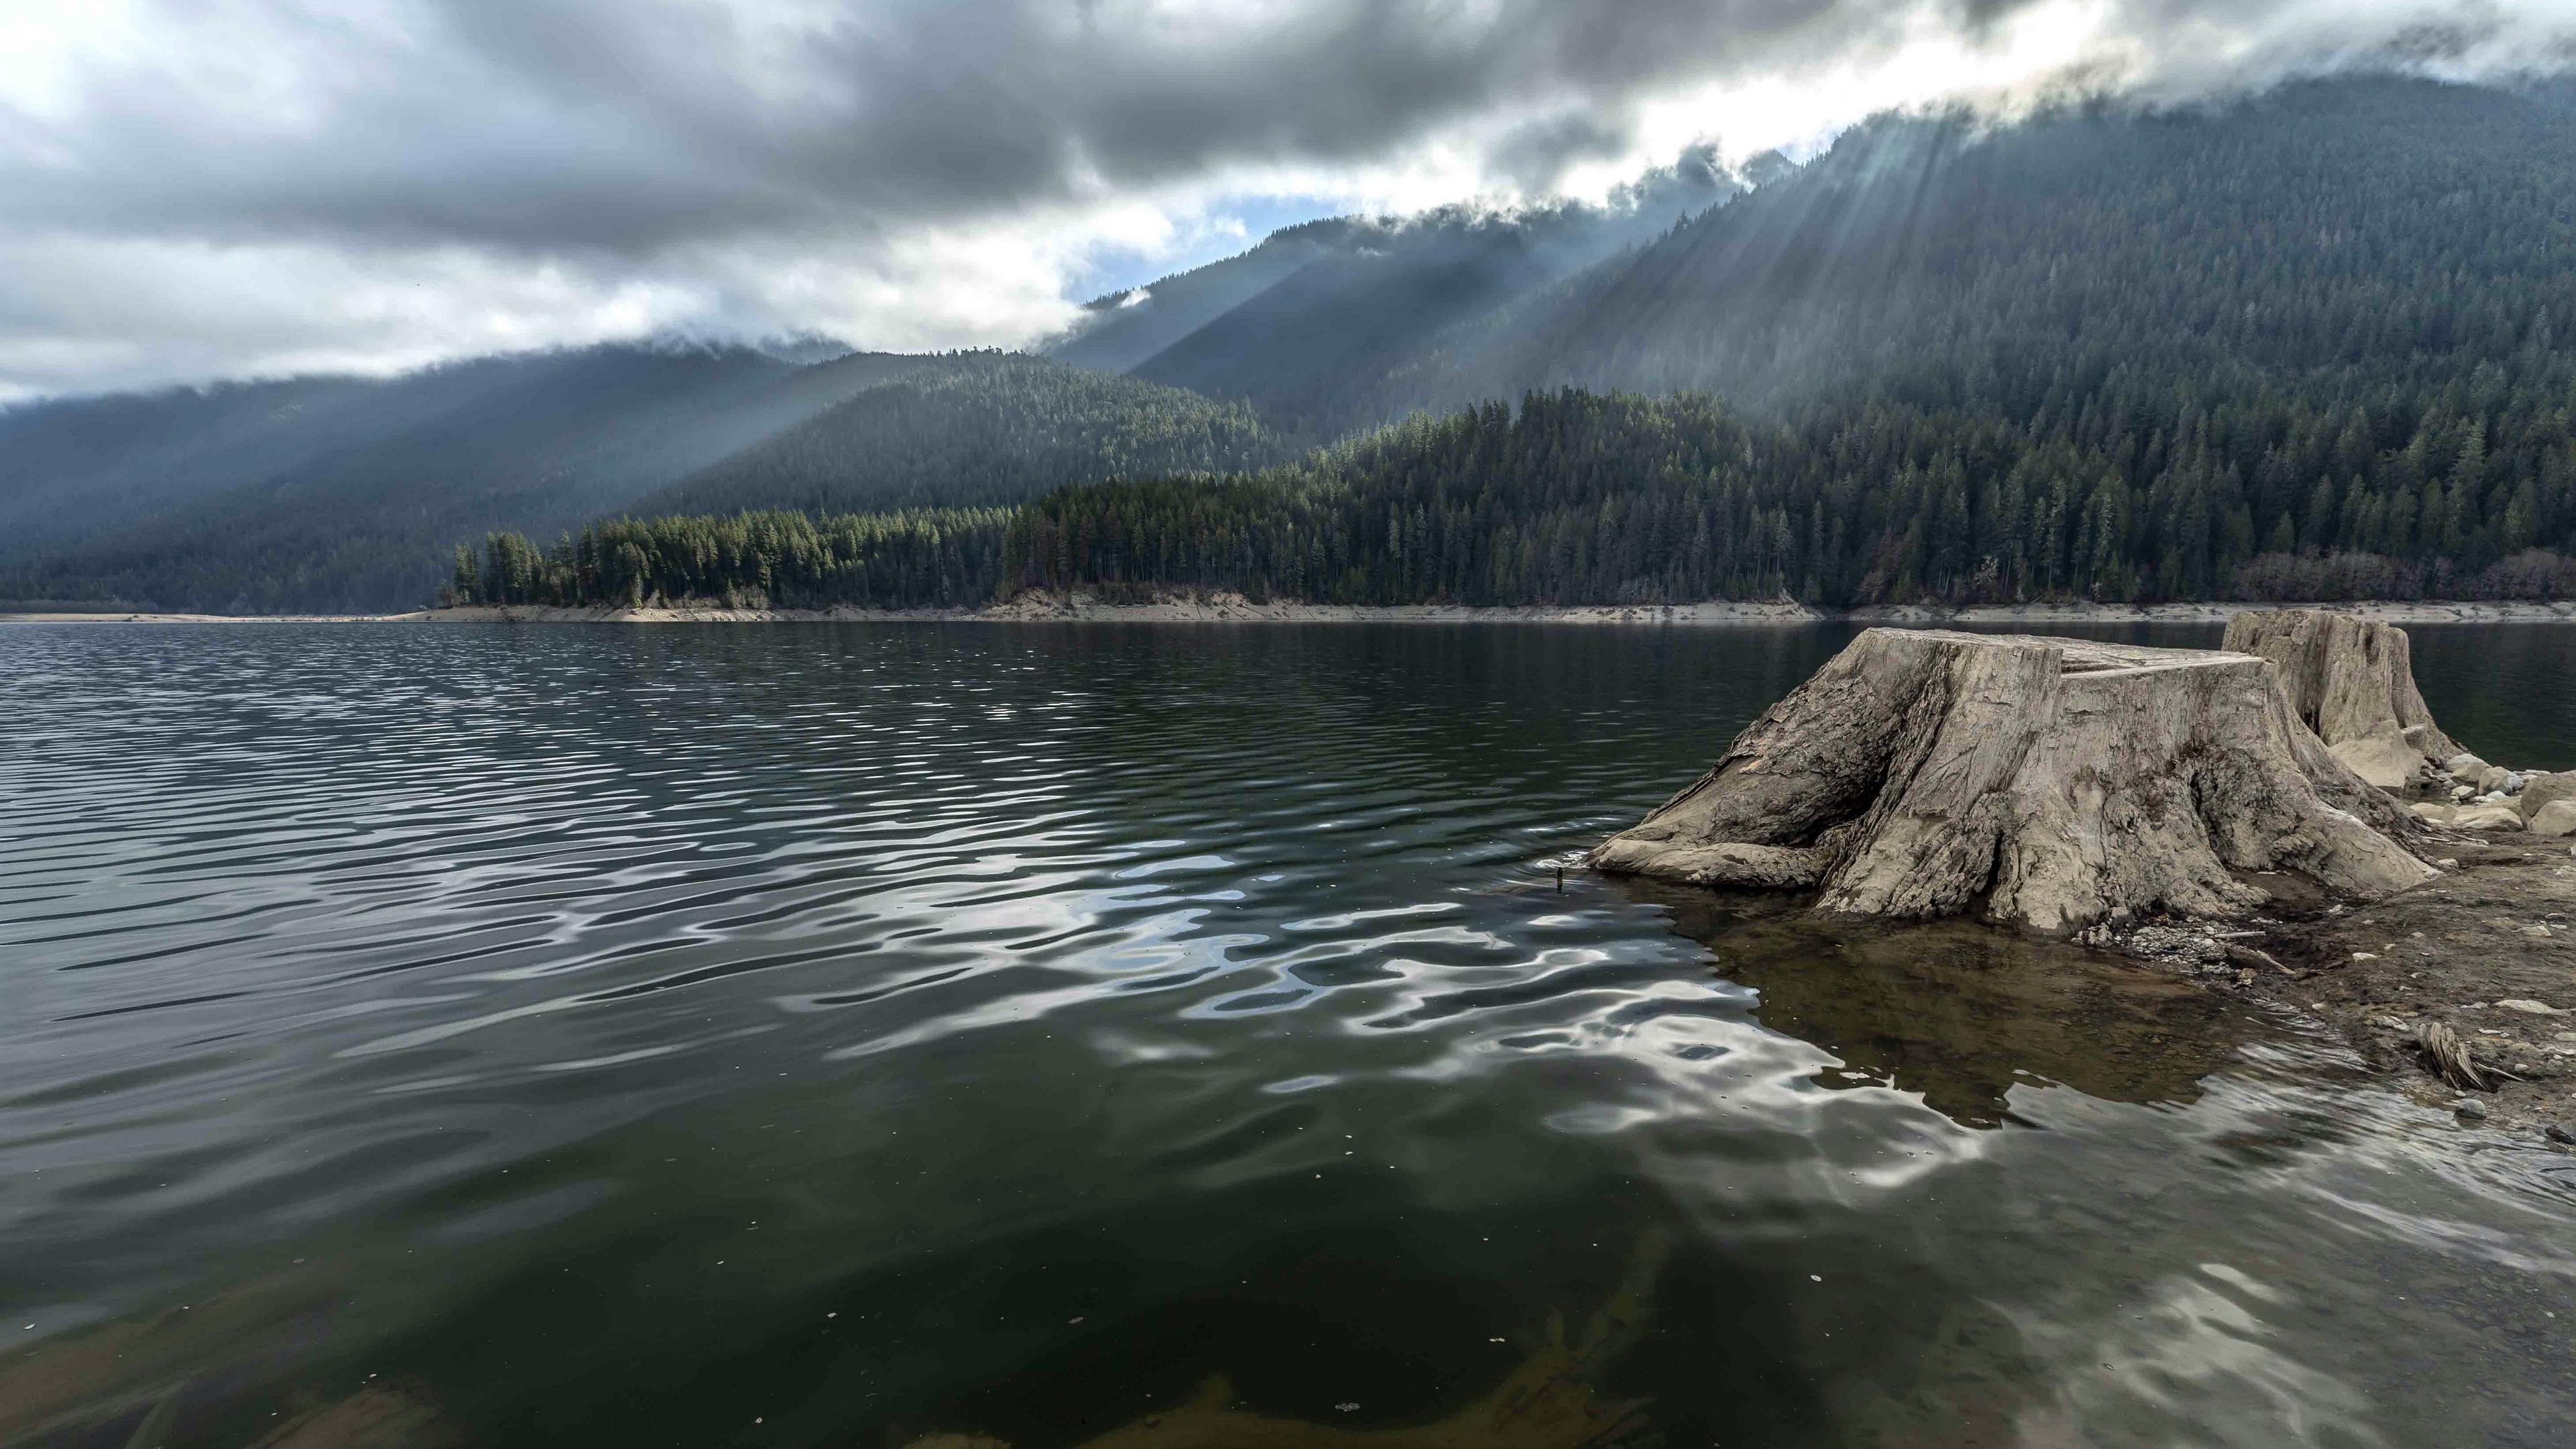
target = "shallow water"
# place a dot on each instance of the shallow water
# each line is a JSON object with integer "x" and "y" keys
{"x": 851, "y": 1034}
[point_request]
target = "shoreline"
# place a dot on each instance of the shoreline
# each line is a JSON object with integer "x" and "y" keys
{"x": 2484, "y": 949}
{"x": 1234, "y": 609}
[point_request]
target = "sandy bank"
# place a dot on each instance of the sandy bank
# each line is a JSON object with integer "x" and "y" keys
{"x": 1235, "y": 609}
{"x": 130, "y": 617}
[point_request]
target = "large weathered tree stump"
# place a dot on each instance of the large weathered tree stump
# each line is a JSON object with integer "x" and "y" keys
{"x": 2047, "y": 783}
{"x": 2352, "y": 681}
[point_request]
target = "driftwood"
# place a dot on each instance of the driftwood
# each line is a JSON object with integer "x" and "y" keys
{"x": 2352, "y": 681}
{"x": 2249, "y": 956}
{"x": 2047, "y": 783}
{"x": 2450, "y": 1057}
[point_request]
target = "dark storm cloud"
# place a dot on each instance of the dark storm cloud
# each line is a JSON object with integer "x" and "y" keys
{"x": 218, "y": 185}
{"x": 544, "y": 123}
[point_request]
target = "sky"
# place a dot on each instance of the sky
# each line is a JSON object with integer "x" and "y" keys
{"x": 201, "y": 189}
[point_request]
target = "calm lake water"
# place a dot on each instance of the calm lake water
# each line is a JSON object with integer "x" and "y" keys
{"x": 856, "y": 1034}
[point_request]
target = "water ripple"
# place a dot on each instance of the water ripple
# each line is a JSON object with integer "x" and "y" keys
{"x": 757, "y": 970}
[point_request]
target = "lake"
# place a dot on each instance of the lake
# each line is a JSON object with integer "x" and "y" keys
{"x": 878, "y": 1034}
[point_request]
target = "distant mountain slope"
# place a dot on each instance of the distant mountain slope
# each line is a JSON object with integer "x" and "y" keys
{"x": 977, "y": 428}
{"x": 1306, "y": 344}
{"x": 1306, "y": 323}
{"x": 337, "y": 493}
{"x": 2372, "y": 228}
{"x": 1120, "y": 331}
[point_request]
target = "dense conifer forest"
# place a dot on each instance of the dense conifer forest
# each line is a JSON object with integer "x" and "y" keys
{"x": 1579, "y": 497}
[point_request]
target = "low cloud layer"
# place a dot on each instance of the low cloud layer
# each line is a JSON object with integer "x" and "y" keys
{"x": 229, "y": 187}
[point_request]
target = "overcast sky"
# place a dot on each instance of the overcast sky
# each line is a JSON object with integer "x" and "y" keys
{"x": 204, "y": 188}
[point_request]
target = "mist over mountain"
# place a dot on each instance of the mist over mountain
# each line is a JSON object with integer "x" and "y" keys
{"x": 1942, "y": 258}
{"x": 2102, "y": 351}
{"x": 343, "y": 493}
{"x": 977, "y": 428}
{"x": 1302, "y": 324}
{"x": 2325, "y": 227}
{"x": 2308, "y": 344}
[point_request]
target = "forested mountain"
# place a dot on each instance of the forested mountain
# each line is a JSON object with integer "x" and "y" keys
{"x": 1124, "y": 329}
{"x": 977, "y": 428}
{"x": 2333, "y": 237}
{"x": 2323, "y": 320}
{"x": 342, "y": 493}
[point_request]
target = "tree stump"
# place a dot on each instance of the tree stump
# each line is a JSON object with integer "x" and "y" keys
{"x": 2046, "y": 783}
{"x": 2352, "y": 681}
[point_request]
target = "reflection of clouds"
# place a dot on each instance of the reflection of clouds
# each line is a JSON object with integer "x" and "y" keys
{"x": 1350, "y": 920}
{"x": 2194, "y": 1362}
{"x": 2543, "y": 1250}
{"x": 1703, "y": 1090}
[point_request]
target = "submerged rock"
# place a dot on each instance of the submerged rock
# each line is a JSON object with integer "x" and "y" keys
{"x": 2047, "y": 783}
{"x": 1553, "y": 1400}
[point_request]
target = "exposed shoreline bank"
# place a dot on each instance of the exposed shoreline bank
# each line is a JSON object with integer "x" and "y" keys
{"x": 1233, "y": 609}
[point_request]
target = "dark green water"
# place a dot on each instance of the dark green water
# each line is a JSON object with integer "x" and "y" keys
{"x": 847, "y": 1035}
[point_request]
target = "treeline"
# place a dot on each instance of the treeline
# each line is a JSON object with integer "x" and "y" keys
{"x": 950, "y": 557}
{"x": 1586, "y": 498}
{"x": 1580, "y": 497}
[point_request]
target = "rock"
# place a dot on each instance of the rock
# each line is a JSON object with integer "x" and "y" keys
{"x": 2471, "y": 1108}
{"x": 2558, "y": 817}
{"x": 2384, "y": 760}
{"x": 2513, "y": 782}
{"x": 2463, "y": 792}
{"x": 2050, "y": 783}
{"x": 2387, "y": 1023}
{"x": 2542, "y": 791}
{"x": 2431, "y": 811}
{"x": 2486, "y": 817}
{"x": 2491, "y": 780}
{"x": 2528, "y": 1007}
{"x": 2353, "y": 682}
{"x": 2463, "y": 763}
{"x": 2445, "y": 863}
{"x": 2559, "y": 1132}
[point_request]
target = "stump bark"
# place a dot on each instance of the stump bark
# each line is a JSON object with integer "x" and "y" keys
{"x": 2352, "y": 681}
{"x": 2045, "y": 783}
